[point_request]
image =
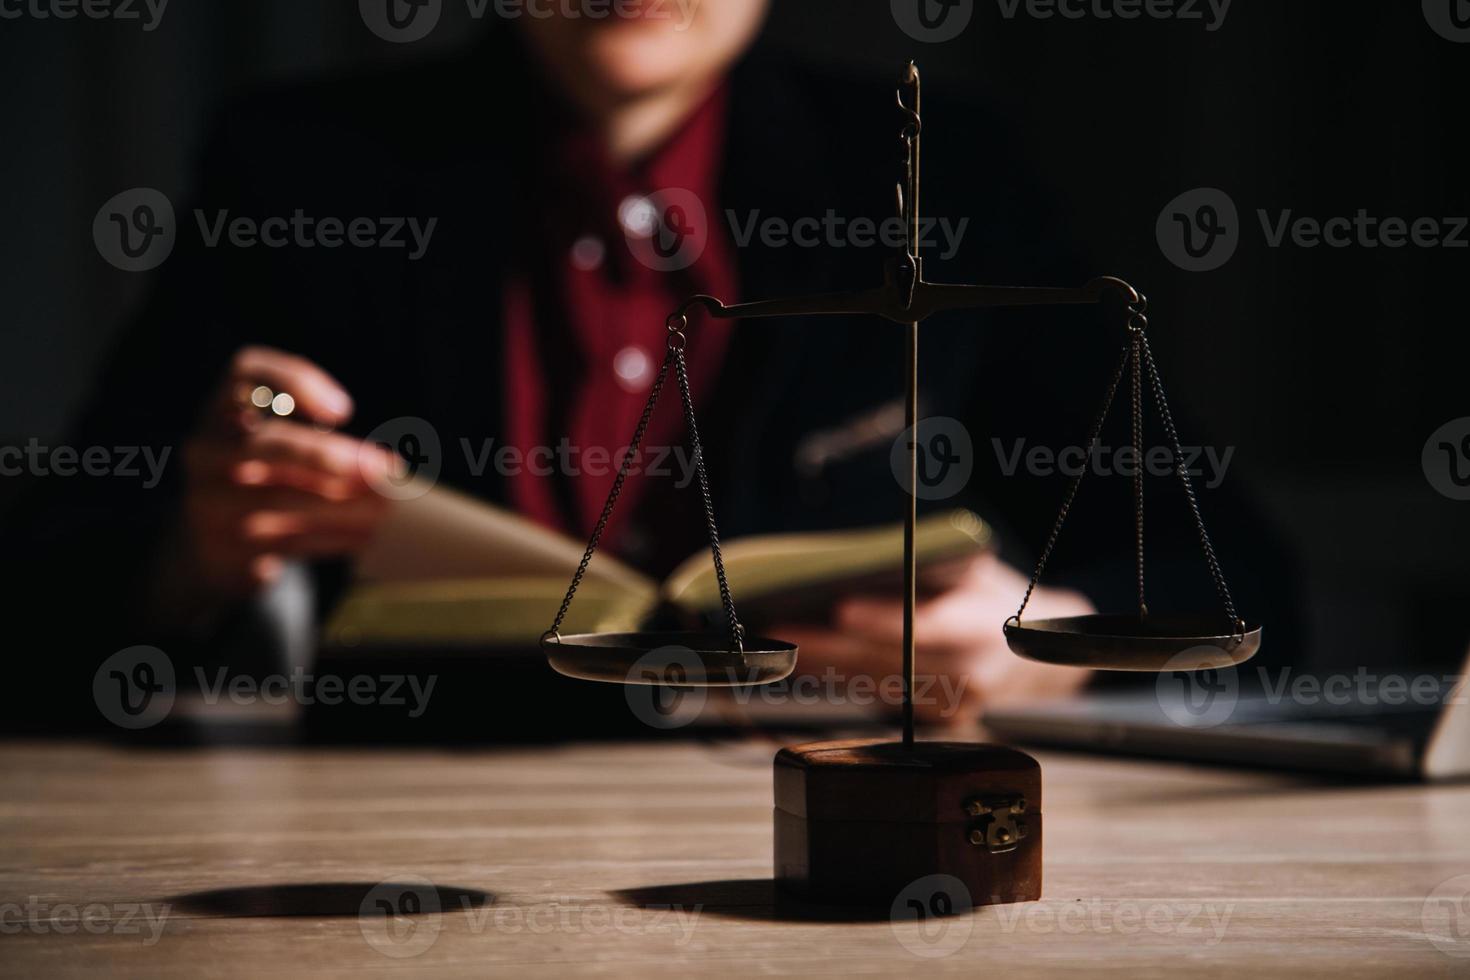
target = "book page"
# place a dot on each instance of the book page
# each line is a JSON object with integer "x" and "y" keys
{"x": 774, "y": 564}
{"x": 447, "y": 535}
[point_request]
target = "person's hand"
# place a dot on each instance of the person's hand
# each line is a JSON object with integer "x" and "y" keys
{"x": 961, "y": 660}
{"x": 262, "y": 489}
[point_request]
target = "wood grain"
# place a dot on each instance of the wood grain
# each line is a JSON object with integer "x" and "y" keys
{"x": 1151, "y": 869}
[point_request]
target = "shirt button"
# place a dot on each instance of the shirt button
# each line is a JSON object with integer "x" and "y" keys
{"x": 633, "y": 368}
{"x": 588, "y": 253}
{"x": 637, "y": 216}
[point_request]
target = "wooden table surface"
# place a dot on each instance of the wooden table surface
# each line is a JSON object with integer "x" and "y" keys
{"x": 654, "y": 860}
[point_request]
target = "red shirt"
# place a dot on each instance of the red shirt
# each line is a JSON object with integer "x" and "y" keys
{"x": 610, "y": 253}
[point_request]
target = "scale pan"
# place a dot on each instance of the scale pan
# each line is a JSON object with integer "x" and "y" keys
{"x": 674, "y": 659}
{"x": 1126, "y": 642}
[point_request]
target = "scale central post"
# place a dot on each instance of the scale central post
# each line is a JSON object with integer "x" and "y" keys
{"x": 908, "y": 202}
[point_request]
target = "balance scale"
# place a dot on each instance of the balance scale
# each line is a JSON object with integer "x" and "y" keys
{"x": 857, "y": 822}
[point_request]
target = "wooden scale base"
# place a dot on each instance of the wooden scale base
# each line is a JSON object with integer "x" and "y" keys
{"x": 858, "y": 822}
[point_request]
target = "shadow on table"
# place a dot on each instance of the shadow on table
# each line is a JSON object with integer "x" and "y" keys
{"x": 744, "y": 898}
{"x": 344, "y": 898}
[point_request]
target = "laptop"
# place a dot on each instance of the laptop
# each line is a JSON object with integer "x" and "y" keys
{"x": 1367, "y": 724}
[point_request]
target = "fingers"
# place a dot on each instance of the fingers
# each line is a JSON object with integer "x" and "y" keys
{"x": 830, "y": 647}
{"x": 945, "y": 691}
{"x": 240, "y": 555}
{"x": 262, "y": 490}
{"x": 958, "y": 639}
{"x": 318, "y": 396}
{"x": 973, "y": 612}
{"x": 228, "y": 502}
{"x": 279, "y": 529}
{"x": 307, "y": 543}
{"x": 958, "y": 619}
{"x": 282, "y": 453}
{"x": 255, "y": 473}
{"x": 279, "y": 441}
{"x": 256, "y": 521}
{"x": 1012, "y": 680}
{"x": 242, "y": 534}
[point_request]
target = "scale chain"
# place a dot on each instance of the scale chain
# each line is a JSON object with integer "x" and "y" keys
{"x": 1211, "y": 560}
{"x": 673, "y": 356}
{"x": 1137, "y": 351}
{"x": 612, "y": 496}
{"x": 1092, "y": 437}
{"x": 1138, "y": 465}
{"x": 681, "y": 373}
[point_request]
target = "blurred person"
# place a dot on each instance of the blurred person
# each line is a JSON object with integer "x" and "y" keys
{"x": 530, "y": 315}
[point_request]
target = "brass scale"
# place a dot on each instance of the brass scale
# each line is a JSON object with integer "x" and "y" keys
{"x": 1135, "y": 641}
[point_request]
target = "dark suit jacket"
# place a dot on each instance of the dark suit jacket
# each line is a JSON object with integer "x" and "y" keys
{"x": 423, "y": 338}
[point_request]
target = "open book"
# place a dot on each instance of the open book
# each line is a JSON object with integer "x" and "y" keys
{"x": 448, "y": 570}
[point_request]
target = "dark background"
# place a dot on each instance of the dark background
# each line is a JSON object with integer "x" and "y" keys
{"x": 1327, "y": 368}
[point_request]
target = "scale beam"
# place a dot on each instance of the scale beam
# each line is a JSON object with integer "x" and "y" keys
{"x": 893, "y": 301}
